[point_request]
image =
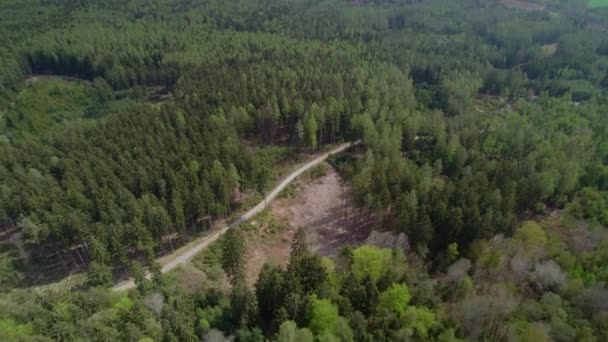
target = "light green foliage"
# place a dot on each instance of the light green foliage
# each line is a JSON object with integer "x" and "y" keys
{"x": 204, "y": 325}
{"x": 328, "y": 337}
{"x": 65, "y": 311}
{"x": 311, "y": 132}
{"x": 123, "y": 306}
{"x": 459, "y": 90}
{"x": 597, "y": 3}
{"x": 289, "y": 332}
{"x": 300, "y": 132}
{"x": 466, "y": 287}
{"x": 180, "y": 121}
{"x": 452, "y": 252}
{"x": 420, "y": 320}
{"x": 46, "y": 103}
{"x": 395, "y": 298}
{"x": 591, "y": 204}
{"x": 535, "y": 332}
{"x": 318, "y": 171}
{"x": 304, "y": 335}
{"x": 371, "y": 261}
{"x": 343, "y": 331}
{"x": 11, "y": 331}
{"x": 590, "y": 266}
{"x": 448, "y": 336}
{"x": 331, "y": 285}
{"x": 9, "y": 268}
{"x": 210, "y": 261}
{"x": 324, "y": 316}
{"x": 531, "y": 235}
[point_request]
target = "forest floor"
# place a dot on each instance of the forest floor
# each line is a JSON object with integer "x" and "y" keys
{"x": 317, "y": 204}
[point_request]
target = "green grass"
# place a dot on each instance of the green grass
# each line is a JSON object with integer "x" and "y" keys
{"x": 264, "y": 223}
{"x": 289, "y": 191}
{"x": 598, "y": 3}
{"x": 46, "y": 102}
{"x": 209, "y": 257}
{"x": 317, "y": 171}
{"x": 10, "y": 275}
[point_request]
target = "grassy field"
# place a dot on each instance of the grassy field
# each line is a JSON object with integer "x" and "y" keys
{"x": 598, "y": 3}
{"x": 49, "y": 102}
{"x": 44, "y": 103}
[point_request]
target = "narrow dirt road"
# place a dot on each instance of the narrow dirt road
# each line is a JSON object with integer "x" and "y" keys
{"x": 182, "y": 257}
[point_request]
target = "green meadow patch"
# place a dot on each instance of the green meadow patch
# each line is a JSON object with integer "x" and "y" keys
{"x": 598, "y": 3}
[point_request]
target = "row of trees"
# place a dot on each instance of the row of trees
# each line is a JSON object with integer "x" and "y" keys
{"x": 471, "y": 176}
{"x": 125, "y": 185}
{"x": 525, "y": 288}
{"x": 159, "y": 41}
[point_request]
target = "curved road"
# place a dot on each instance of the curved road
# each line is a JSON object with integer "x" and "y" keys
{"x": 207, "y": 240}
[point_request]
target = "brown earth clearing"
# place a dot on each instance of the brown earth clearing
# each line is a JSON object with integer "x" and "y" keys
{"x": 320, "y": 205}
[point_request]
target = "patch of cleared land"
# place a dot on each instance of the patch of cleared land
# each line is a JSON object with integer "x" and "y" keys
{"x": 549, "y": 49}
{"x": 318, "y": 205}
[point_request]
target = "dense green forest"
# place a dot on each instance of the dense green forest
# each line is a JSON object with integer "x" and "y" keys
{"x": 126, "y": 127}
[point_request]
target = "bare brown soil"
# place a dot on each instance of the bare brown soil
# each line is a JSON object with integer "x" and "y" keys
{"x": 321, "y": 207}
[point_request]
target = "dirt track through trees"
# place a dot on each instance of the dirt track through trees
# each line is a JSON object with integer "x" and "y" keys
{"x": 187, "y": 252}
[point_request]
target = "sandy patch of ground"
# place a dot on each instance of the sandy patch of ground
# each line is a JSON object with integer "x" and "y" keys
{"x": 319, "y": 207}
{"x": 549, "y": 49}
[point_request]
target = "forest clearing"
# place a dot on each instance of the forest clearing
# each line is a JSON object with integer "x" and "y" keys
{"x": 187, "y": 252}
{"x": 321, "y": 207}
